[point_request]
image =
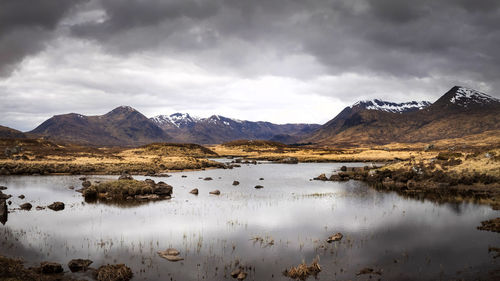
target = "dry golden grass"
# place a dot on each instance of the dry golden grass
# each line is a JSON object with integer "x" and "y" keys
{"x": 44, "y": 157}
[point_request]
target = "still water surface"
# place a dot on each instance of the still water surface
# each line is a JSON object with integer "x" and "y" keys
{"x": 405, "y": 238}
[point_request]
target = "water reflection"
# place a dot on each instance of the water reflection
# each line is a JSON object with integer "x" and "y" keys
{"x": 405, "y": 238}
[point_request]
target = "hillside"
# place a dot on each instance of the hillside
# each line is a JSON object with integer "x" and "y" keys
{"x": 123, "y": 126}
{"x": 9, "y": 133}
{"x": 458, "y": 113}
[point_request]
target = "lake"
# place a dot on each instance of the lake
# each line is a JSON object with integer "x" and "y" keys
{"x": 405, "y": 238}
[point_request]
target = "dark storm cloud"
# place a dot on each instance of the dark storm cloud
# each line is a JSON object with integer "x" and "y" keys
{"x": 379, "y": 37}
{"x": 25, "y": 25}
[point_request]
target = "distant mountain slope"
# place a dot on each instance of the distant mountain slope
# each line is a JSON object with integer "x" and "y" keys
{"x": 9, "y": 133}
{"x": 459, "y": 112}
{"x": 218, "y": 129}
{"x": 123, "y": 126}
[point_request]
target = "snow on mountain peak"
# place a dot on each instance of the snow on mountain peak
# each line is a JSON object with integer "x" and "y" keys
{"x": 465, "y": 96}
{"x": 176, "y": 119}
{"x": 387, "y": 106}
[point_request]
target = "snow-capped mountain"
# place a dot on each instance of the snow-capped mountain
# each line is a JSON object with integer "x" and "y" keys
{"x": 178, "y": 120}
{"x": 464, "y": 97}
{"x": 393, "y": 107}
{"x": 217, "y": 129}
{"x": 459, "y": 112}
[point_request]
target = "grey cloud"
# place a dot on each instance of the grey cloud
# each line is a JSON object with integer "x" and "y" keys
{"x": 24, "y": 27}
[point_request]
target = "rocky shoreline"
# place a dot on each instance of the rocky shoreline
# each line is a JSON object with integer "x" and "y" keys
{"x": 419, "y": 182}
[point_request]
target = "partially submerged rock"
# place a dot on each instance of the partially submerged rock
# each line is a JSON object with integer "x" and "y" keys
{"x": 116, "y": 272}
{"x": 50, "y": 268}
{"x": 208, "y": 179}
{"x": 215, "y": 192}
{"x": 4, "y": 196}
{"x": 21, "y": 196}
{"x": 125, "y": 176}
{"x": 170, "y": 254}
{"x": 335, "y": 237}
{"x": 321, "y": 177}
{"x": 56, "y": 206}
{"x": 26, "y": 206}
{"x": 236, "y": 182}
{"x": 259, "y": 186}
{"x": 289, "y": 160}
{"x": 3, "y": 187}
{"x": 76, "y": 265}
{"x": 86, "y": 183}
{"x": 194, "y": 191}
{"x": 3, "y": 211}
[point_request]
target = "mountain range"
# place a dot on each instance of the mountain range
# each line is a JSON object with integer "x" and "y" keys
{"x": 459, "y": 112}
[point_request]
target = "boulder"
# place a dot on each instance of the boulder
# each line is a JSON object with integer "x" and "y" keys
{"x": 90, "y": 193}
{"x": 259, "y": 186}
{"x": 194, "y": 191}
{"x": 79, "y": 265}
{"x": 170, "y": 254}
{"x": 321, "y": 177}
{"x": 86, "y": 184}
{"x": 162, "y": 189}
{"x": 21, "y": 196}
{"x": 236, "y": 182}
{"x": 3, "y": 187}
{"x": 125, "y": 176}
{"x": 26, "y": 206}
{"x": 56, "y": 206}
{"x": 215, "y": 192}
{"x": 3, "y": 211}
{"x": 343, "y": 168}
{"x": 50, "y": 268}
{"x": 335, "y": 237}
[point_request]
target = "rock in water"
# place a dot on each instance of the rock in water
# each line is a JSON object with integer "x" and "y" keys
{"x": 79, "y": 265}
{"x": 259, "y": 186}
{"x": 321, "y": 177}
{"x": 194, "y": 191}
{"x": 21, "y": 196}
{"x": 235, "y": 272}
{"x": 50, "y": 268}
{"x": 3, "y": 211}
{"x": 56, "y": 206}
{"x": 236, "y": 182}
{"x": 86, "y": 184}
{"x": 125, "y": 176}
{"x": 170, "y": 254}
{"x": 215, "y": 192}
{"x": 335, "y": 237}
{"x": 26, "y": 206}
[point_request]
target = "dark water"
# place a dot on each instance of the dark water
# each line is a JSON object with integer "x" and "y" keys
{"x": 405, "y": 238}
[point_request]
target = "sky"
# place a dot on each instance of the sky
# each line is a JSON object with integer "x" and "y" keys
{"x": 284, "y": 61}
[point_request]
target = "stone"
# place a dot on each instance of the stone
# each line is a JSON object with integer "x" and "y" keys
{"x": 215, "y": 192}
{"x": 86, "y": 184}
{"x": 26, "y": 206}
{"x": 259, "y": 186}
{"x": 194, "y": 191}
{"x": 125, "y": 176}
{"x": 50, "y": 268}
{"x": 76, "y": 265}
{"x": 321, "y": 177}
{"x": 335, "y": 237}
{"x": 21, "y": 196}
{"x": 236, "y": 182}
{"x": 56, "y": 206}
